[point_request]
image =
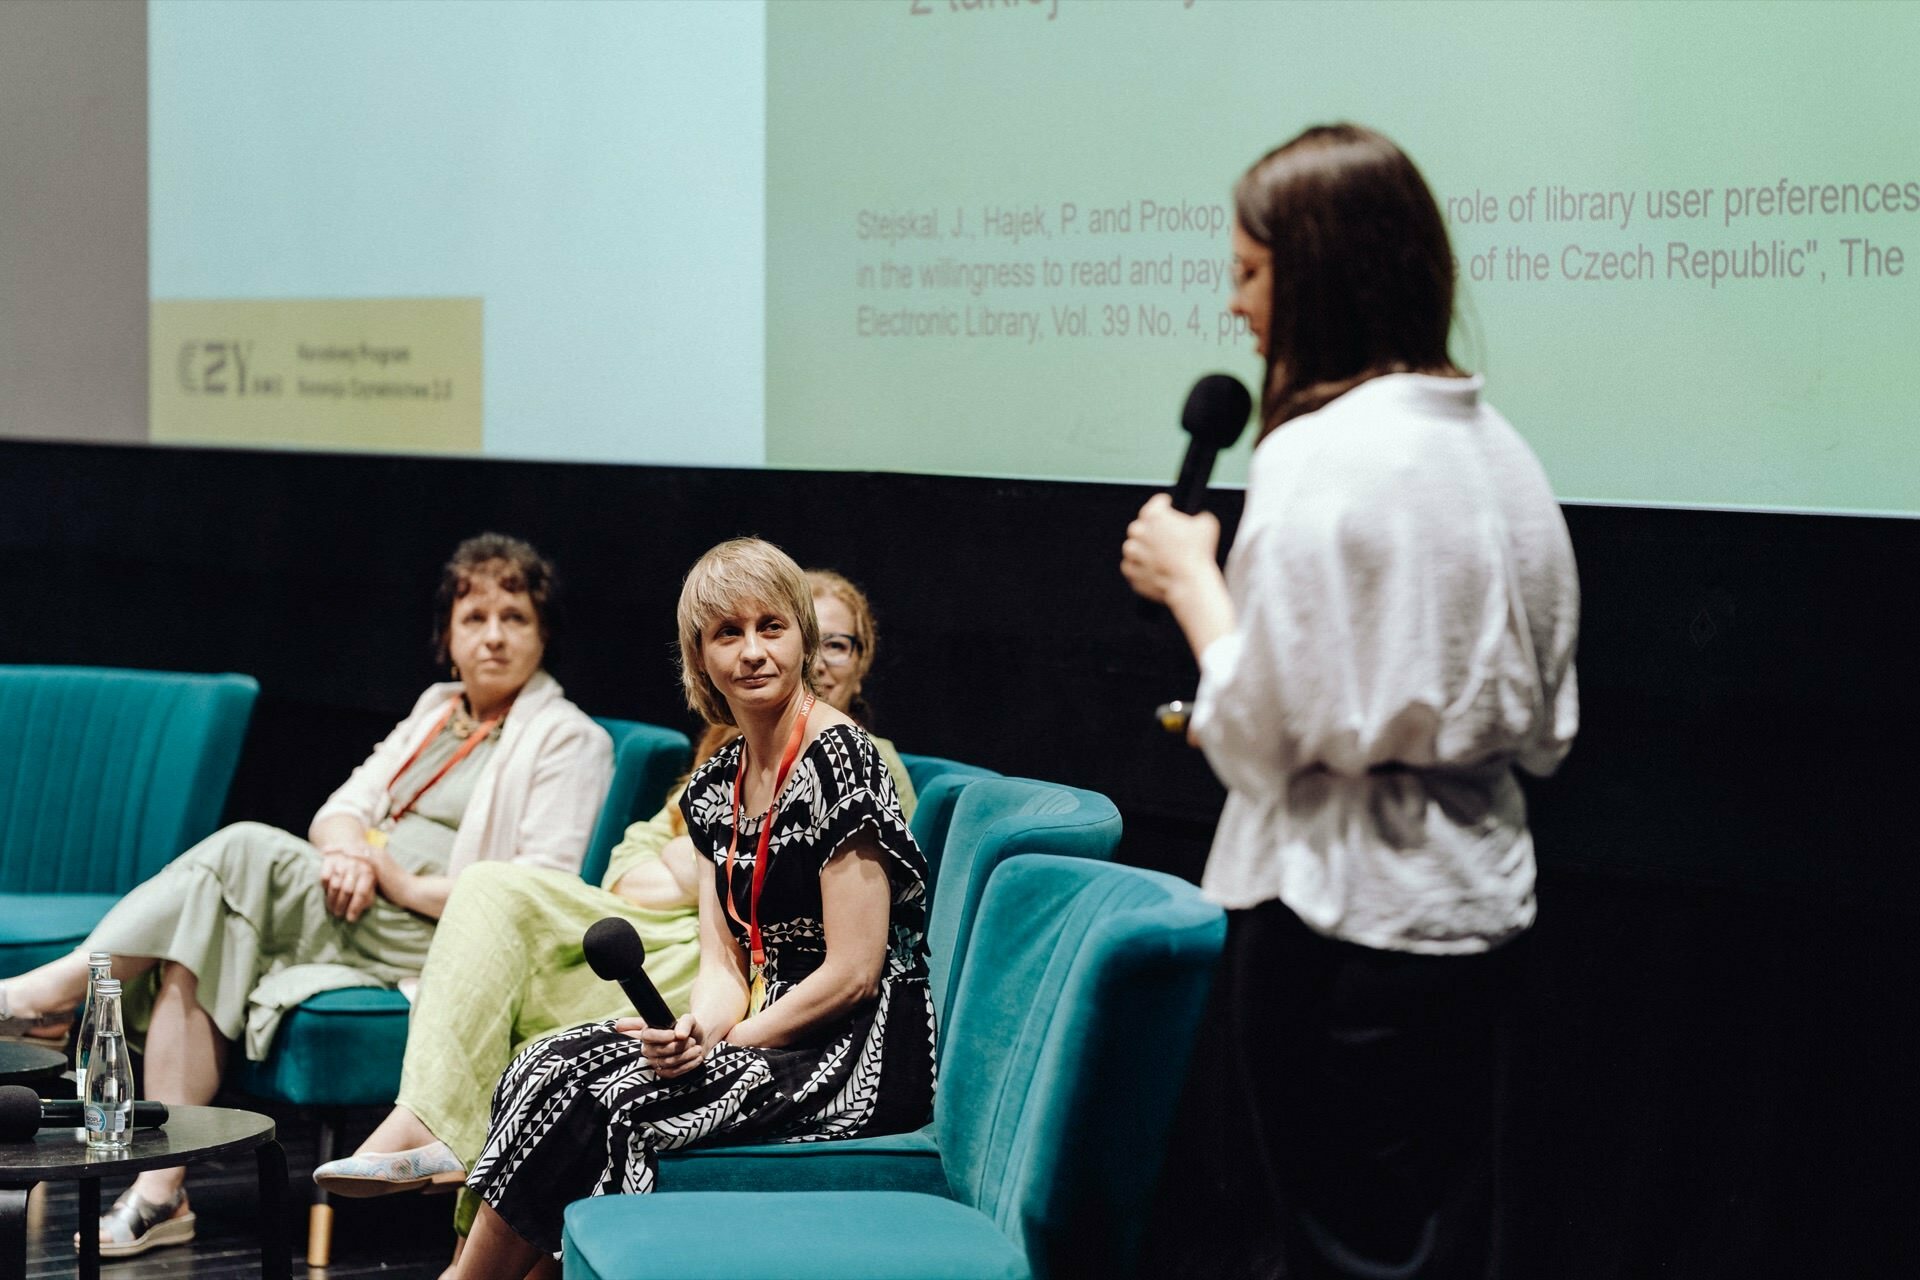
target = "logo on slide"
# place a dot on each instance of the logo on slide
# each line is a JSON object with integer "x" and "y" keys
{"x": 218, "y": 367}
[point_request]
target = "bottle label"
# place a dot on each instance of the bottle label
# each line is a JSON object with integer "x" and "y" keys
{"x": 109, "y": 1120}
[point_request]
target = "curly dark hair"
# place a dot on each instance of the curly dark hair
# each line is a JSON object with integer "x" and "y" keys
{"x": 513, "y": 564}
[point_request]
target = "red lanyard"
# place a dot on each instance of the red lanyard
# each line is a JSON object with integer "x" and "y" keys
{"x": 755, "y": 948}
{"x": 478, "y": 736}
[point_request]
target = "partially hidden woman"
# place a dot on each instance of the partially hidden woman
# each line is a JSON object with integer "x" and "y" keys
{"x": 1391, "y": 643}
{"x": 506, "y": 966}
{"x": 810, "y": 1015}
{"x": 494, "y": 767}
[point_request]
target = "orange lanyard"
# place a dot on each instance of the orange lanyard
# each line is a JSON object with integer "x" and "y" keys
{"x": 755, "y": 948}
{"x": 478, "y": 736}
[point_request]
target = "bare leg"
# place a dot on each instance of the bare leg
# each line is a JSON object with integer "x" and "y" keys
{"x": 59, "y": 986}
{"x": 545, "y": 1269}
{"x": 185, "y": 1054}
{"x": 453, "y": 1268}
{"x": 495, "y": 1251}
{"x": 54, "y": 987}
{"x": 400, "y": 1131}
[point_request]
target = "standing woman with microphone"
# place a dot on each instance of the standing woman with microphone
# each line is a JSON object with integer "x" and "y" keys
{"x": 1392, "y": 638}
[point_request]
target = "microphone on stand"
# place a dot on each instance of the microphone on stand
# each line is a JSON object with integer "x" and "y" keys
{"x": 1214, "y": 416}
{"x": 615, "y": 952}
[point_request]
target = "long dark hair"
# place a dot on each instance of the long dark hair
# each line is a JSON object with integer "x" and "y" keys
{"x": 1362, "y": 272}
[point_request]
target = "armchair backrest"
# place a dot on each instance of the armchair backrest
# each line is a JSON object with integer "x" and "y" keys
{"x": 993, "y": 819}
{"x": 106, "y": 775}
{"x": 1068, "y": 1052}
{"x": 937, "y": 783}
{"x": 647, "y": 759}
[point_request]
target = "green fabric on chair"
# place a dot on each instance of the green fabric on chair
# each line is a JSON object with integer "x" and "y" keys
{"x": 105, "y": 776}
{"x": 821, "y": 1235}
{"x": 994, "y": 819}
{"x": 1051, "y": 1119}
{"x": 647, "y": 759}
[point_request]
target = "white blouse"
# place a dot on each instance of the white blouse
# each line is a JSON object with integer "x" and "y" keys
{"x": 1406, "y": 606}
{"x": 538, "y": 796}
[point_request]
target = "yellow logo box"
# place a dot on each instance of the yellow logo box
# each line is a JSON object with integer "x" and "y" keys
{"x": 376, "y": 374}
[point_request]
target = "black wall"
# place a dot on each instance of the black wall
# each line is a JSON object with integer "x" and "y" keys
{"x": 1715, "y": 1077}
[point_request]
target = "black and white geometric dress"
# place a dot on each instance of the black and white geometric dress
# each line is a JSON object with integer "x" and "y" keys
{"x": 582, "y": 1114}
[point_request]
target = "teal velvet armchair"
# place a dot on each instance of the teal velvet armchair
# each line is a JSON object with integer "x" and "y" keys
{"x": 1051, "y": 1116}
{"x": 937, "y": 784}
{"x": 105, "y": 776}
{"x": 994, "y": 819}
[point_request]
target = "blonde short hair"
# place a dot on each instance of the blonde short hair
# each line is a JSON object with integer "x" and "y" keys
{"x": 739, "y": 573}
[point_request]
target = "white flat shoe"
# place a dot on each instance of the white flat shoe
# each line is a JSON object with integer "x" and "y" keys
{"x": 374, "y": 1174}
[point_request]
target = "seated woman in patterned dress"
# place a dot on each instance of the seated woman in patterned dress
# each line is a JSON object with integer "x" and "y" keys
{"x": 811, "y": 1017}
{"x": 497, "y": 766}
{"x": 506, "y": 967}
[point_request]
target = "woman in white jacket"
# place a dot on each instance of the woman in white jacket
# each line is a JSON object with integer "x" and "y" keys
{"x": 495, "y": 766}
{"x": 1392, "y": 638}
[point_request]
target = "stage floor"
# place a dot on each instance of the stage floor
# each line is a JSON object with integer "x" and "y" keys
{"x": 407, "y": 1237}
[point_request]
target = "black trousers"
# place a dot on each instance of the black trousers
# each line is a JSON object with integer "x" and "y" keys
{"x": 1342, "y": 1114}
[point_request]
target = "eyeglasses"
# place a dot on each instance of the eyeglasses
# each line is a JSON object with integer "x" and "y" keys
{"x": 837, "y": 649}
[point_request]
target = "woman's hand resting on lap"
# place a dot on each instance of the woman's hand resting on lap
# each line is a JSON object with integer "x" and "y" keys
{"x": 348, "y": 881}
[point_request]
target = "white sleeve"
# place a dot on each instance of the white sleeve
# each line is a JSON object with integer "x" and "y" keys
{"x": 1554, "y": 739}
{"x": 1235, "y": 717}
{"x": 570, "y": 779}
{"x": 1256, "y": 680}
{"x": 1362, "y": 625}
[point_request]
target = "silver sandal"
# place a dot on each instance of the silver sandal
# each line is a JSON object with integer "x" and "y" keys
{"x": 136, "y": 1224}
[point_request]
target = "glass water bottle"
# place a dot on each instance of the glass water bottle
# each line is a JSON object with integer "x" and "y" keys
{"x": 99, "y": 969}
{"x": 108, "y": 1100}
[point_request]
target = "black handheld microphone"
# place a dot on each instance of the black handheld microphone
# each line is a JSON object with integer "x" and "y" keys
{"x": 615, "y": 952}
{"x": 23, "y": 1113}
{"x": 1214, "y": 416}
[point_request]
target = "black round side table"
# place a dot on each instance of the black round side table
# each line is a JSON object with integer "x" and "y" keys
{"x": 190, "y": 1134}
{"x": 30, "y": 1064}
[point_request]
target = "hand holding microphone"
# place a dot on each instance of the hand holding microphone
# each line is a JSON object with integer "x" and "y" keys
{"x": 1166, "y": 550}
{"x": 1171, "y": 551}
{"x": 614, "y": 952}
{"x": 670, "y": 1051}
{"x": 1171, "y": 538}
